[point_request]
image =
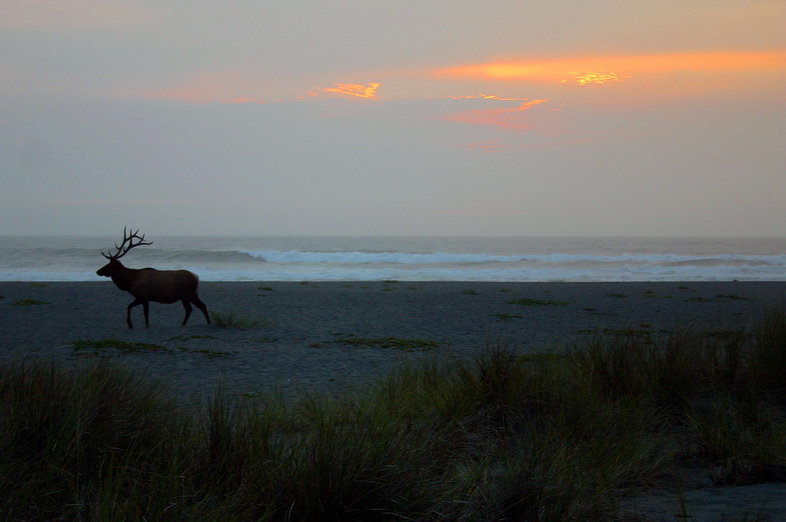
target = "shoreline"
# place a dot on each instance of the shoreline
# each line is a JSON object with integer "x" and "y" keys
{"x": 323, "y": 336}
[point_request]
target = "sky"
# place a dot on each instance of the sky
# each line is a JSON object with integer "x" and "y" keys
{"x": 446, "y": 117}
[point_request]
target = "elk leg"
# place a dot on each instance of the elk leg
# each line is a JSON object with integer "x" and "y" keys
{"x": 187, "y": 306}
{"x": 202, "y": 306}
{"x": 134, "y": 303}
{"x": 146, "y": 308}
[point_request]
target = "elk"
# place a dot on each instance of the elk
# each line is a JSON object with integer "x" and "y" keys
{"x": 149, "y": 284}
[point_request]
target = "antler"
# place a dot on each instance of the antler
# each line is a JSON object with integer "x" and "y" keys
{"x": 123, "y": 248}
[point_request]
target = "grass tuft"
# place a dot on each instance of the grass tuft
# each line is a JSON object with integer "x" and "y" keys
{"x": 526, "y": 301}
{"x": 29, "y": 302}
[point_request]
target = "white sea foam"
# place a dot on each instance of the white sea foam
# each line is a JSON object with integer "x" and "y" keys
{"x": 415, "y": 259}
{"x": 405, "y": 258}
{"x": 362, "y": 258}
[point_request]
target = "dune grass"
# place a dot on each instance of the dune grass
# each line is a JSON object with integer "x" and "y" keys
{"x": 29, "y": 302}
{"x": 501, "y": 436}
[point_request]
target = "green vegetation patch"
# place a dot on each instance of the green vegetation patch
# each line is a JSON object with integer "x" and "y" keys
{"x": 29, "y": 302}
{"x": 211, "y": 354}
{"x": 190, "y": 337}
{"x": 526, "y": 301}
{"x": 543, "y": 357}
{"x": 626, "y": 332}
{"x": 96, "y": 347}
{"x": 719, "y": 297}
{"x": 734, "y": 297}
{"x": 396, "y": 343}
{"x": 507, "y": 317}
{"x": 699, "y": 300}
{"x": 723, "y": 334}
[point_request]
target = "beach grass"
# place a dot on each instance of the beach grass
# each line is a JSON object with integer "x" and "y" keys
{"x": 559, "y": 436}
{"x": 527, "y": 301}
{"x": 29, "y": 302}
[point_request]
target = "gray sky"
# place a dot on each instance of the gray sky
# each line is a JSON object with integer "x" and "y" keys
{"x": 446, "y": 117}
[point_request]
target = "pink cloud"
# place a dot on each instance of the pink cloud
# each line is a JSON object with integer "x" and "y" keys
{"x": 485, "y": 146}
{"x": 244, "y": 99}
{"x": 510, "y": 118}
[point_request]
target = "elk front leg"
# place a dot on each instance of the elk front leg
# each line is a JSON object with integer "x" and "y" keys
{"x": 145, "y": 307}
{"x": 134, "y": 303}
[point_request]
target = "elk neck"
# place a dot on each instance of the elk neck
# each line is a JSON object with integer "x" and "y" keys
{"x": 123, "y": 277}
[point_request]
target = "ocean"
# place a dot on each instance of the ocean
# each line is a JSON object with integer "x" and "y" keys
{"x": 58, "y": 258}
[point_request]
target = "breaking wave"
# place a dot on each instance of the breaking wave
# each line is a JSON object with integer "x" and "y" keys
{"x": 423, "y": 259}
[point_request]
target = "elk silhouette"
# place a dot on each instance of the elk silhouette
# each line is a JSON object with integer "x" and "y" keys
{"x": 149, "y": 284}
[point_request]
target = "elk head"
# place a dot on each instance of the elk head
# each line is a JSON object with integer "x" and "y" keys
{"x": 128, "y": 243}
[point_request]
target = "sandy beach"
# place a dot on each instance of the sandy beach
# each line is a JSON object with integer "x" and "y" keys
{"x": 324, "y": 336}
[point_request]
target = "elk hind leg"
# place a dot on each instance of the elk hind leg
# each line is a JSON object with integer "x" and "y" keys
{"x": 202, "y": 306}
{"x": 187, "y": 306}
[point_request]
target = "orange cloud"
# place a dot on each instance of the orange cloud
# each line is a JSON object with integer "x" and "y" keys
{"x": 598, "y": 78}
{"x": 361, "y": 90}
{"x": 604, "y": 69}
{"x": 504, "y": 117}
{"x": 243, "y": 99}
{"x": 482, "y": 96}
{"x": 485, "y": 146}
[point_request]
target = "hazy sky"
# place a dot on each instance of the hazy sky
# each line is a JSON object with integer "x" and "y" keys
{"x": 444, "y": 117}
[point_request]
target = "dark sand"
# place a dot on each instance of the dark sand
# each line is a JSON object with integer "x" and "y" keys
{"x": 297, "y": 345}
{"x": 297, "y": 348}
